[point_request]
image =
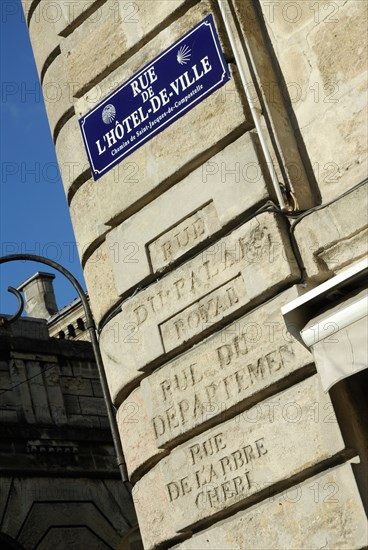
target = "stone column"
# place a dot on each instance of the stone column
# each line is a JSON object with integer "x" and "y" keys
{"x": 220, "y": 411}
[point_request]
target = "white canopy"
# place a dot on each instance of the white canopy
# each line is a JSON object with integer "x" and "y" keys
{"x": 338, "y": 339}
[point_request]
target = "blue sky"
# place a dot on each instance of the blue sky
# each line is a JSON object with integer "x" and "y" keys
{"x": 34, "y": 216}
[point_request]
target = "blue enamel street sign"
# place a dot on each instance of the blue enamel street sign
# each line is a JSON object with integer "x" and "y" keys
{"x": 165, "y": 89}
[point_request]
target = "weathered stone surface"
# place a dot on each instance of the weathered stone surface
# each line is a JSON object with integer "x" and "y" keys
{"x": 43, "y": 33}
{"x": 349, "y": 22}
{"x": 226, "y": 193}
{"x": 346, "y": 250}
{"x": 228, "y": 372}
{"x": 58, "y": 95}
{"x": 323, "y": 512}
{"x": 331, "y": 239}
{"x": 258, "y": 250}
{"x": 98, "y": 272}
{"x": 339, "y": 165}
{"x": 273, "y": 102}
{"x": 72, "y": 14}
{"x": 229, "y": 466}
{"x": 232, "y": 367}
{"x": 139, "y": 443}
{"x": 185, "y": 235}
{"x": 211, "y": 309}
{"x": 50, "y": 21}
{"x": 286, "y": 18}
{"x": 231, "y": 182}
{"x": 28, "y": 6}
{"x": 101, "y": 43}
{"x": 322, "y": 58}
{"x": 159, "y": 164}
{"x": 71, "y": 154}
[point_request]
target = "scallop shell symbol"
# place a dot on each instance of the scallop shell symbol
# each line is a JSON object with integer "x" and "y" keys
{"x": 109, "y": 114}
{"x": 183, "y": 55}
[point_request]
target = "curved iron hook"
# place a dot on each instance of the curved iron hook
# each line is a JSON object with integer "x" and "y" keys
{"x": 8, "y": 320}
{"x": 16, "y": 315}
{"x": 95, "y": 345}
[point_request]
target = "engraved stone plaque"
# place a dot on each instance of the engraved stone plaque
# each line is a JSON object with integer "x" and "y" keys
{"x": 239, "y": 461}
{"x": 239, "y": 363}
{"x": 232, "y": 182}
{"x": 255, "y": 255}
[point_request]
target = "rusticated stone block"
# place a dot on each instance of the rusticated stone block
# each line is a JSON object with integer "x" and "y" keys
{"x": 139, "y": 443}
{"x": 98, "y": 271}
{"x": 329, "y": 239}
{"x": 230, "y": 183}
{"x": 287, "y": 19}
{"x": 58, "y": 95}
{"x": 157, "y": 165}
{"x": 339, "y": 164}
{"x": 348, "y": 22}
{"x": 185, "y": 235}
{"x": 50, "y": 21}
{"x": 320, "y": 98}
{"x": 237, "y": 462}
{"x": 323, "y": 512}
{"x": 72, "y": 14}
{"x": 237, "y": 364}
{"x": 273, "y": 97}
{"x": 215, "y": 306}
{"x": 257, "y": 253}
{"x": 228, "y": 372}
{"x": 102, "y": 43}
{"x": 71, "y": 155}
{"x": 43, "y": 31}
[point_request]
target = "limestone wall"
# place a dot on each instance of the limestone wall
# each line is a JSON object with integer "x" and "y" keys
{"x": 322, "y": 56}
{"x": 220, "y": 411}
